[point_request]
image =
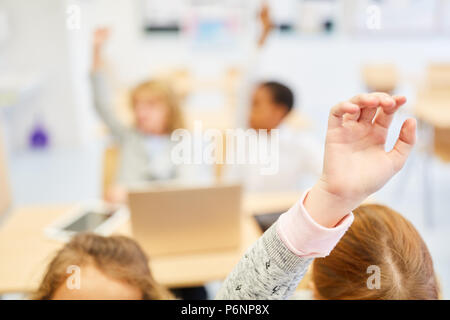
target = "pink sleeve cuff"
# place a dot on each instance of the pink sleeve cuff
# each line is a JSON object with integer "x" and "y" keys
{"x": 306, "y": 238}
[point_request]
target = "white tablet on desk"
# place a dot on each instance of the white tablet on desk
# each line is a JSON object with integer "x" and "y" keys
{"x": 98, "y": 217}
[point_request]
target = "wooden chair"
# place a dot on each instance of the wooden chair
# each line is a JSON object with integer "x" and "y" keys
{"x": 438, "y": 76}
{"x": 220, "y": 118}
{"x": 442, "y": 143}
{"x": 110, "y": 167}
{"x": 433, "y": 107}
{"x": 380, "y": 77}
{"x": 433, "y": 112}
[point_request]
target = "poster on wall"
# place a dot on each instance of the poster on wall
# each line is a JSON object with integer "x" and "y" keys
{"x": 317, "y": 16}
{"x": 163, "y": 15}
{"x": 205, "y": 22}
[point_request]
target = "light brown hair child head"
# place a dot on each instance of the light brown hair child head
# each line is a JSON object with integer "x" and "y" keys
{"x": 156, "y": 108}
{"x": 110, "y": 268}
{"x": 379, "y": 237}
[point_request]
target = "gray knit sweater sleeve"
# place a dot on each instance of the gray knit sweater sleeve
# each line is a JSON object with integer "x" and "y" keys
{"x": 102, "y": 101}
{"x": 268, "y": 270}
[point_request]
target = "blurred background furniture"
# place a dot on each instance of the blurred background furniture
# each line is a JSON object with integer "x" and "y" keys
{"x": 380, "y": 77}
{"x": 433, "y": 111}
{"x": 110, "y": 167}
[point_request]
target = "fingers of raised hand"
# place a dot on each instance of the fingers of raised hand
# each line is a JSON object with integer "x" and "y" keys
{"x": 347, "y": 109}
{"x": 370, "y": 102}
{"x": 400, "y": 100}
{"x": 360, "y": 107}
{"x": 101, "y": 34}
{"x": 404, "y": 144}
{"x": 364, "y": 108}
{"x": 384, "y": 116}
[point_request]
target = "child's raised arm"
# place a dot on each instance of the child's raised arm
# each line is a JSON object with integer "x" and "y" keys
{"x": 355, "y": 165}
{"x": 101, "y": 91}
{"x": 100, "y": 37}
{"x": 266, "y": 24}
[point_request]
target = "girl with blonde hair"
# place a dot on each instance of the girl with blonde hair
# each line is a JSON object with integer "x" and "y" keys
{"x": 144, "y": 148}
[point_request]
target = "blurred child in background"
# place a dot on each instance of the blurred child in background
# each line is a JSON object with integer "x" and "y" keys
{"x": 267, "y": 108}
{"x": 144, "y": 148}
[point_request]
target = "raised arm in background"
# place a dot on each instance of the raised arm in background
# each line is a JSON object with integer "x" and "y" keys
{"x": 101, "y": 91}
{"x": 355, "y": 165}
{"x": 266, "y": 24}
{"x": 250, "y": 67}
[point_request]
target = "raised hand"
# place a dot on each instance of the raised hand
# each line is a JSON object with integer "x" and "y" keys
{"x": 100, "y": 37}
{"x": 266, "y": 24}
{"x": 264, "y": 16}
{"x": 356, "y": 163}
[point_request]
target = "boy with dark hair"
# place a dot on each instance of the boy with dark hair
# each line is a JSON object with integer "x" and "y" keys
{"x": 271, "y": 103}
{"x": 298, "y": 154}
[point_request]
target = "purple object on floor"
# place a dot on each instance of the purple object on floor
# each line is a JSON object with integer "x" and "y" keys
{"x": 38, "y": 138}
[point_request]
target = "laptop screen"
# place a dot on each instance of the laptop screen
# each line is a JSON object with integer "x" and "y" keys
{"x": 266, "y": 220}
{"x": 5, "y": 195}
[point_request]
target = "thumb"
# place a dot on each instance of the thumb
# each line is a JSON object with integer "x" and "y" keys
{"x": 404, "y": 144}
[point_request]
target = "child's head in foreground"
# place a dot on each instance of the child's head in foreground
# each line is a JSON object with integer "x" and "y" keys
{"x": 155, "y": 107}
{"x": 117, "y": 268}
{"x": 110, "y": 268}
{"x": 381, "y": 238}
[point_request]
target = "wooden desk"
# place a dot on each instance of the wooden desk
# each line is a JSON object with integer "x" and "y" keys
{"x": 25, "y": 253}
{"x": 261, "y": 203}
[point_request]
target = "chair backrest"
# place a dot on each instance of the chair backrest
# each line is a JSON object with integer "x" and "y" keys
{"x": 438, "y": 76}
{"x": 433, "y": 106}
{"x": 5, "y": 192}
{"x": 442, "y": 143}
{"x": 380, "y": 77}
{"x": 110, "y": 167}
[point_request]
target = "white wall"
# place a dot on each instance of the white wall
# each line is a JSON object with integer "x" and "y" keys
{"x": 39, "y": 47}
{"x": 327, "y": 70}
{"x": 322, "y": 70}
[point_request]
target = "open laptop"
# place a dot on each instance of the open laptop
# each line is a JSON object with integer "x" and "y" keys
{"x": 177, "y": 220}
{"x": 5, "y": 192}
